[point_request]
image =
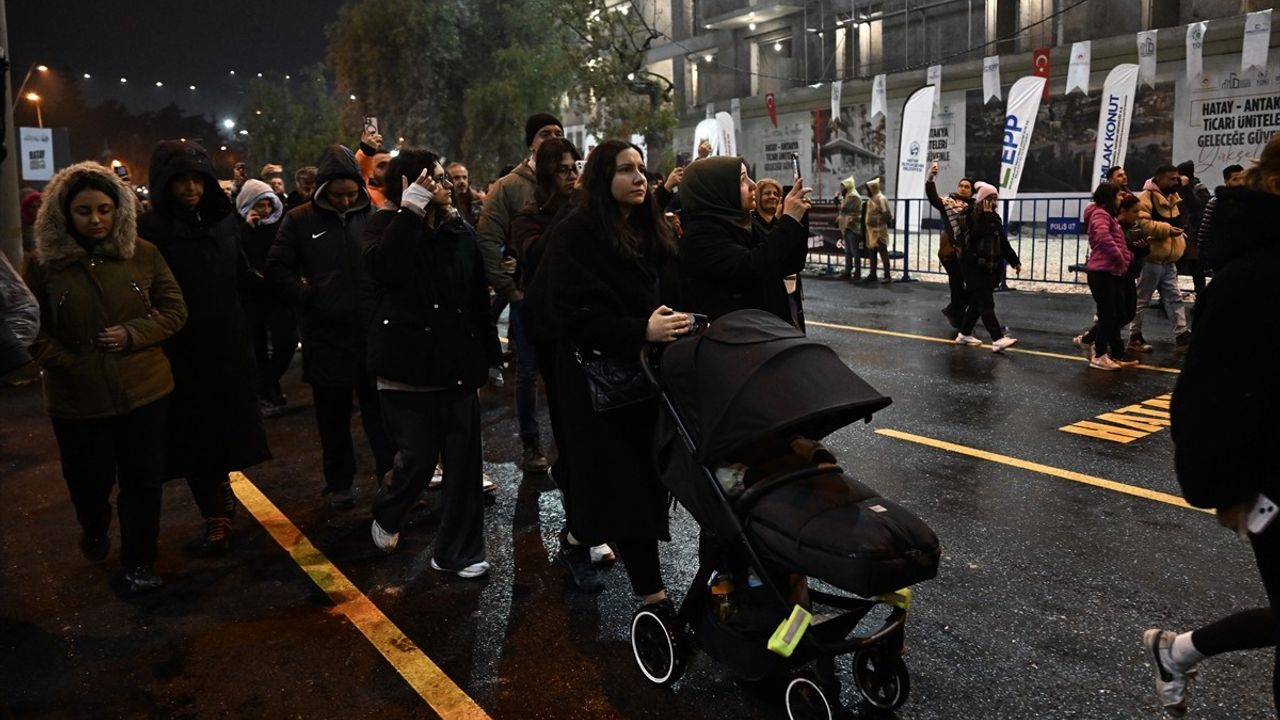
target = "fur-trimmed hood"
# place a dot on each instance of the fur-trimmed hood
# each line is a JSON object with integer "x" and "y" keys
{"x": 54, "y": 242}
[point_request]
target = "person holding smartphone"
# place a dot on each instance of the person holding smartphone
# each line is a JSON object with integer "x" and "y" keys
{"x": 988, "y": 245}
{"x": 727, "y": 261}
{"x": 1161, "y": 218}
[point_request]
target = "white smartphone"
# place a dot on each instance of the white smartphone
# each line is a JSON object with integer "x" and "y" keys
{"x": 1263, "y": 512}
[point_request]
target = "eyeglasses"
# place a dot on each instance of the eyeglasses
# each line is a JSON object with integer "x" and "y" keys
{"x": 567, "y": 170}
{"x": 441, "y": 180}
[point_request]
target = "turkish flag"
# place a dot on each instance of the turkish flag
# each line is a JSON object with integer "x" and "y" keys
{"x": 1040, "y": 68}
{"x": 772, "y": 106}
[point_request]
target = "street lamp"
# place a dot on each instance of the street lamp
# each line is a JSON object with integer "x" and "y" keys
{"x": 34, "y": 98}
{"x": 30, "y": 68}
{"x": 229, "y": 124}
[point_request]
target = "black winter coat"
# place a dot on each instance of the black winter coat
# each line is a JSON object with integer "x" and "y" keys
{"x": 432, "y": 309}
{"x": 1225, "y": 429}
{"x": 316, "y": 264}
{"x": 602, "y": 302}
{"x": 214, "y": 425}
{"x": 530, "y": 230}
{"x": 727, "y": 268}
{"x": 987, "y": 243}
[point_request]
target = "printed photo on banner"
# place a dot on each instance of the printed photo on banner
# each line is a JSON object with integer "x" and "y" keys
{"x": 853, "y": 145}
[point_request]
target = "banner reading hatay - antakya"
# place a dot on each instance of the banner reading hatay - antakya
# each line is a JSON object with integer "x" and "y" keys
{"x": 1019, "y": 122}
{"x": 1114, "y": 118}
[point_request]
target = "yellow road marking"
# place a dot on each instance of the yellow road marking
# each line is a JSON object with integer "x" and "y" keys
{"x": 949, "y": 341}
{"x": 424, "y": 676}
{"x": 1044, "y": 469}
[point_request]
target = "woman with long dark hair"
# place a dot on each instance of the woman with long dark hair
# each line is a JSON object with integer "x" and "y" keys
{"x": 1109, "y": 260}
{"x": 613, "y": 278}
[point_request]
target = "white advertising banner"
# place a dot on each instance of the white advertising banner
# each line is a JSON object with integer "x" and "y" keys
{"x": 1078, "y": 71}
{"x": 728, "y": 141}
{"x": 1019, "y": 123}
{"x": 1225, "y": 118}
{"x": 36, "y": 146}
{"x": 708, "y": 130}
{"x": 1114, "y": 119}
{"x": 934, "y": 77}
{"x": 913, "y": 148}
{"x": 1195, "y": 50}
{"x": 878, "y": 97}
{"x": 1257, "y": 38}
{"x": 836, "y": 89}
{"x": 735, "y": 111}
{"x": 991, "y": 79}
{"x": 947, "y": 139}
{"x": 1147, "y": 57}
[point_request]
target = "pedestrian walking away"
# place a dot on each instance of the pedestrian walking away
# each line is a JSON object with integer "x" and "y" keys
{"x": 107, "y": 301}
{"x": 214, "y": 425}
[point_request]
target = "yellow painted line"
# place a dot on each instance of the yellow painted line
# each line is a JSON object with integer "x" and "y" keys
{"x": 1044, "y": 469}
{"x": 425, "y": 677}
{"x": 949, "y": 341}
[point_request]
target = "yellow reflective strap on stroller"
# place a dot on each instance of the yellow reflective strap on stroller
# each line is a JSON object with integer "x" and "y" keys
{"x": 787, "y": 637}
{"x": 900, "y": 599}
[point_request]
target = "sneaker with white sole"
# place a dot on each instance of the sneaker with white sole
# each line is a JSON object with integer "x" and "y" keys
{"x": 487, "y": 485}
{"x": 1002, "y": 343}
{"x": 1103, "y": 362}
{"x": 962, "y": 339}
{"x": 385, "y": 541}
{"x": 602, "y": 554}
{"x": 1173, "y": 686}
{"x": 474, "y": 570}
{"x": 437, "y": 478}
{"x": 1079, "y": 342}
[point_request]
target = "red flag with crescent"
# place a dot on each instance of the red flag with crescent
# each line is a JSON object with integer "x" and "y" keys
{"x": 1040, "y": 68}
{"x": 772, "y": 106}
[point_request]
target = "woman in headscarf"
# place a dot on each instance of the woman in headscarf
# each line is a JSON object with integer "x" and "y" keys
{"x": 107, "y": 301}
{"x": 728, "y": 262}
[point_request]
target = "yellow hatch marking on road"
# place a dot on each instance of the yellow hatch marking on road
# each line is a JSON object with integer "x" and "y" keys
{"x": 424, "y": 676}
{"x": 1044, "y": 469}
{"x": 949, "y": 341}
{"x": 1127, "y": 424}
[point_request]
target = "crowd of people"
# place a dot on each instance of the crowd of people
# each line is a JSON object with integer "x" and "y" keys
{"x": 162, "y": 336}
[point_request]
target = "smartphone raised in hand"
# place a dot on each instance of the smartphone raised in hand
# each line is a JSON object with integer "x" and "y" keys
{"x": 795, "y": 165}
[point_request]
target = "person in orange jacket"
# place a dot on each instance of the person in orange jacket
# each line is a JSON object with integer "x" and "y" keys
{"x": 373, "y": 159}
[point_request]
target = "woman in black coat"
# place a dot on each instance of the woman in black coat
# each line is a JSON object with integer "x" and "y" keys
{"x": 214, "y": 426}
{"x": 612, "y": 265}
{"x": 426, "y": 352}
{"x": 727, "y": 261}
{"x": 988, "y": 245}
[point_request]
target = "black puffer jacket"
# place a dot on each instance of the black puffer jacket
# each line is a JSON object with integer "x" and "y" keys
{"x": 1224, "y": 424}
{"x": 988, "y": 243}
{"x": 214, "y": 425}
{"x": 315, "y": 263}
{"x": 727, "y": 268}
{"x": 432, "y": 302}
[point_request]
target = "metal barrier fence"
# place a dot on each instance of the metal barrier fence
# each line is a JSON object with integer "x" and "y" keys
{"x": 1047, "y": 233}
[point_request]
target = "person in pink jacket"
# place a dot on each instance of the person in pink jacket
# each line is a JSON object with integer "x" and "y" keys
{"x": 1109, "y": 259}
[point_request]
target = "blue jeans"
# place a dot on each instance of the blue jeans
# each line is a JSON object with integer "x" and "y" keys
{"x": 526, "y": 374}
{"x": 1163, "y": 277}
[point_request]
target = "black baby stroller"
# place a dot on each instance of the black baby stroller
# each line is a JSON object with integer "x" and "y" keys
{"x": 745, "y": 403}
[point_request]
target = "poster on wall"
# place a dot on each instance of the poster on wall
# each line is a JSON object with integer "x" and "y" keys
{"x": 853, "y": 145}
{"x": 36, "y": 146}
{"x": 767, "y": 149}
{"x": 1227, "y": 117}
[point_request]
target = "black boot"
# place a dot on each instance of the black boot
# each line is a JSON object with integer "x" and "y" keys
{"x": 577, "y": 560}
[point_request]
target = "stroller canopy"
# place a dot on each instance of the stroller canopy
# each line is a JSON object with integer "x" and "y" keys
{"x": 752, "y": 374}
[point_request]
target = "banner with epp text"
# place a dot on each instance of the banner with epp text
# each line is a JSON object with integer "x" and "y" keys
{"x": 913, "y": 148}
{"x": 1114, "y": 119}
{"x": 1019, "y": 123}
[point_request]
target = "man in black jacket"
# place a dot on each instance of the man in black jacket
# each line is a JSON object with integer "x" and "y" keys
{"x": 315, "y": 262}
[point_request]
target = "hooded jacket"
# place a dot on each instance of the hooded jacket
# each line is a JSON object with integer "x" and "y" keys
{"x": 879, "y": 216}
{"x": 122, "y": 280}
{"x": 19, "y": 318}
{"x": 214, "y": 423}
{"x": 509, "y": 196}
{"x": 1224, "y": 424}
{"x": 1108, "y": 251}
{"x": 316, "y": 264}
{"x": 256, "y": 240}
{"x": 1158, "y": 215}
{"x": 849, "y": 218}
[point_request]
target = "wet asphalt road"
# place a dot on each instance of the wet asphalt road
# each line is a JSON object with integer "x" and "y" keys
{"x": 1045, "y": 587}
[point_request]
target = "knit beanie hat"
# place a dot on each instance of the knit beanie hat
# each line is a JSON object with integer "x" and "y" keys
{"x": 536, "y": 122}
{"x": 982, "y": 191}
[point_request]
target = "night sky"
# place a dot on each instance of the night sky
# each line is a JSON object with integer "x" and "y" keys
{"x": 177, "y": 42}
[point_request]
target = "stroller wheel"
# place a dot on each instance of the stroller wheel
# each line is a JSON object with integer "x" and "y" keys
{"x": 882, "y": 681}
{"x": 659, "y": 647}
{"x": 806, "y": 701}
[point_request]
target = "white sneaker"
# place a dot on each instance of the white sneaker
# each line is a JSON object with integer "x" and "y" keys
{"x": 1172, "y": 686}
{"x": 436, "y": 478}
{"x": 962, "y": 339}
{"x": 1103, "y": 362}
{"x": 471, "y": 571}
{"x": 1002, "y": 343}
{"x": 602, "y": 553}
{"x": 487, "y": 485}
{"x": 385, "y": 541}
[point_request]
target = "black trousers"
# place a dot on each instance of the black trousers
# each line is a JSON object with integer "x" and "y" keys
{"x": 546, "y": 352}
{"x": 955, "y": 282}
{"x": 880, "y": 252}
{"x": 128, "y": 449}
{"x": 427, "y": 426}
{"x": 1109, "y": 297}
{"x": 982, "y": 302}
{"x": 333, "y": 416}
{"x": 640, "y": 558}
{"x": 273, "y": 331}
